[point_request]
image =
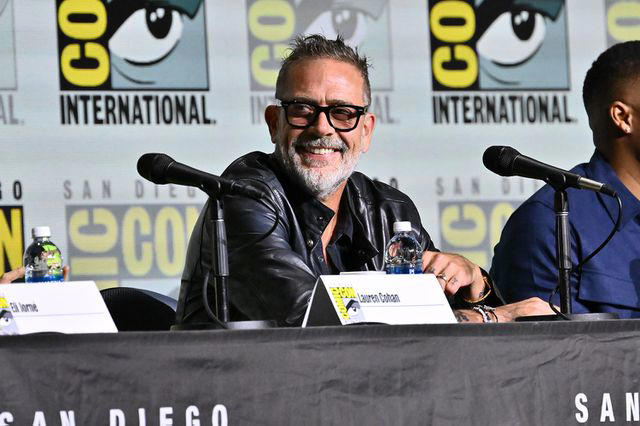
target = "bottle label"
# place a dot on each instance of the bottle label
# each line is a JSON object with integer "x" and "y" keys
{"x": 404, "y": 269}
{"x": 44, "y": 278}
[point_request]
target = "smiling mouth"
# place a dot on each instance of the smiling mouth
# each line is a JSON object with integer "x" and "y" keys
{"x": 319, "y": 148}
{"x": 318, "y": 157}
{"x": 319, "y": 151}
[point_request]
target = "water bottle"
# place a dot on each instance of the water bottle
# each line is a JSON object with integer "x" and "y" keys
{"x": 42, "y": 259}
{"x": 403, "y": 254}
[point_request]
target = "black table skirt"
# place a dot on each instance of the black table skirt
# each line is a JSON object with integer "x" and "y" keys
{"x": 500, "y": 374}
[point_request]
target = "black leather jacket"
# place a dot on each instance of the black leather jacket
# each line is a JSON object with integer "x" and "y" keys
{"x": 273, "y": 279}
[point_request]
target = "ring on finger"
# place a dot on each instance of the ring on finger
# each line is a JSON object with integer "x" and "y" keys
{"x": 443, "y": 276}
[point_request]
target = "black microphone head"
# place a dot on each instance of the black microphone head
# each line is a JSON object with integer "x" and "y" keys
{"x": 153, "y": 167}
{"x": 499, "y": 159}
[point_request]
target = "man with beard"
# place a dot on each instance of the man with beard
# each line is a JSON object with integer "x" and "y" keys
{"x": 332, "y": 219}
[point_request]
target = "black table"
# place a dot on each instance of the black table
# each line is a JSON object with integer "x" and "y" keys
{"x": 499, "y": 374}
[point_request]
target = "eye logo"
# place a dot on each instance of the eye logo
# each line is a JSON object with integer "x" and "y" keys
{"x": 8, "y": 325}
{"x": 132, "y": 44}
{"x": 7, "y": 47}
{"x": 498, "y": 45}
{"x": 273, "y": 24}
{"x": 354, "y": 311}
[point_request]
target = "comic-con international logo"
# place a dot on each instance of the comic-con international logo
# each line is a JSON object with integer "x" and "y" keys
{"x": 346, "y": 300}
{"x": 272, "y": 24}
{"x": 132, "y": 45}
{"x": 494, "y": 45}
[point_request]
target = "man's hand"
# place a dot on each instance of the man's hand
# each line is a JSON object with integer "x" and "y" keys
{"x": 454, "y": 272}
{"x": 508, "y": 313}
{"x": 523, "y": 308}
{"x": 16, "y": 274}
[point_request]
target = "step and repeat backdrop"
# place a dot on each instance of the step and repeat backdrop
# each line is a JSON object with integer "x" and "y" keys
{"x": 87, "y": 86}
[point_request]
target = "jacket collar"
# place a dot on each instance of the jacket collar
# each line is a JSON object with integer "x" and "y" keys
{"x": 366, "y": 249}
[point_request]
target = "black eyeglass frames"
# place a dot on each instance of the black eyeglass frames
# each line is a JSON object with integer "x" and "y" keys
{"x": 343, "y": 118}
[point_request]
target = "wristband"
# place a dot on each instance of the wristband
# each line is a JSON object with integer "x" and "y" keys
{"x": 484, "y": 311}
{"x": 491, "y": 310}
{"x": 488, "y": 289}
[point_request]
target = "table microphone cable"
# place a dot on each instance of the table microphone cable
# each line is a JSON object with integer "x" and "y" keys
{"x": 588, "y": 258}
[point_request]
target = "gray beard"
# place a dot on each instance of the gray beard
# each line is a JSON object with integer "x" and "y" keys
{"x": 321, "y": 184}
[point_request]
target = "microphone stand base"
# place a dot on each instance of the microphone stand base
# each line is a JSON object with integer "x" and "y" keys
{"x": 231, "y": 325}
{"x": 599, "y": 316}
{"x": 251, "y": 325}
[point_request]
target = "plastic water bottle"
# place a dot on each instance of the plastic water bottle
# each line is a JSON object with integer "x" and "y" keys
{"x": 403, "y": 254}
{"x": 42, "y": 259}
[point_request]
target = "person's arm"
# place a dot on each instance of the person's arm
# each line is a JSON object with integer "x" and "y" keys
{"x": 16, "y": 274}
{"x": 524, "y": 262}
{"x": 459, "y": 276}
{"x": 506, "y": 313}
{"x": 456, "y": 273}
{"x": 268, "y": 279}
{"x": 11, "y": 276}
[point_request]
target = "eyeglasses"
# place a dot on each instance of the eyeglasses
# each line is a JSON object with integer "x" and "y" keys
{"x": 343, "y": 118}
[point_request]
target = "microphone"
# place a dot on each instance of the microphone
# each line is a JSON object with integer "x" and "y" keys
{"x": 506, "y": 161}
{"x": 162, "y": 169}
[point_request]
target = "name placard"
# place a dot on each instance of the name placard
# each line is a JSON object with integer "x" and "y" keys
{"x": 67, "y": 307}
{"x": 377, "y": 298}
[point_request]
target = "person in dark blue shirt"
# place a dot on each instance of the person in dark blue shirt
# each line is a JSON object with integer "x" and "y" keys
{"x": 524, "y": 263}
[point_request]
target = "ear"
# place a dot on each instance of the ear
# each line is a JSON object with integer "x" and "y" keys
{"x": 369, "y": 123}
{"x": 621, "y": 116}
{"x": 272, "y": 118}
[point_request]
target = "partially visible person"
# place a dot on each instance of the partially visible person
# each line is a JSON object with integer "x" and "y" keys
{"x": 332, "y": 219}
{"x": 524, "y": 261}
{"x": 13, "y": 275}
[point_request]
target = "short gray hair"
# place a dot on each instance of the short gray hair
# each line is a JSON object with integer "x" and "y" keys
{"x": 317, "y": 46}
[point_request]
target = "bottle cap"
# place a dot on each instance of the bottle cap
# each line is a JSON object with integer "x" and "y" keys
{"x": 404, "y": 226}
{"x": 41, "y": 231}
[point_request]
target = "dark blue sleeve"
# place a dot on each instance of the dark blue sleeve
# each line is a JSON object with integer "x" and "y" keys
{"x": 524, "y": 264}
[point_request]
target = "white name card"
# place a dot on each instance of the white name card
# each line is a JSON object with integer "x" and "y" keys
{"x": 377, "y": 298}
{"x": 67, "y": 307}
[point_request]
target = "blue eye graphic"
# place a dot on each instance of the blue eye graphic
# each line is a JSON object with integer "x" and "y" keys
{"x": 348, "y": 22}
{"x": 521, "y": 44}
{"x": 147, "y": 36}
{"x": 513, "y": 38}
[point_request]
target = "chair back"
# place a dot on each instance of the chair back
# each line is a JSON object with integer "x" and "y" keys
{"x": 134, "y": 309}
